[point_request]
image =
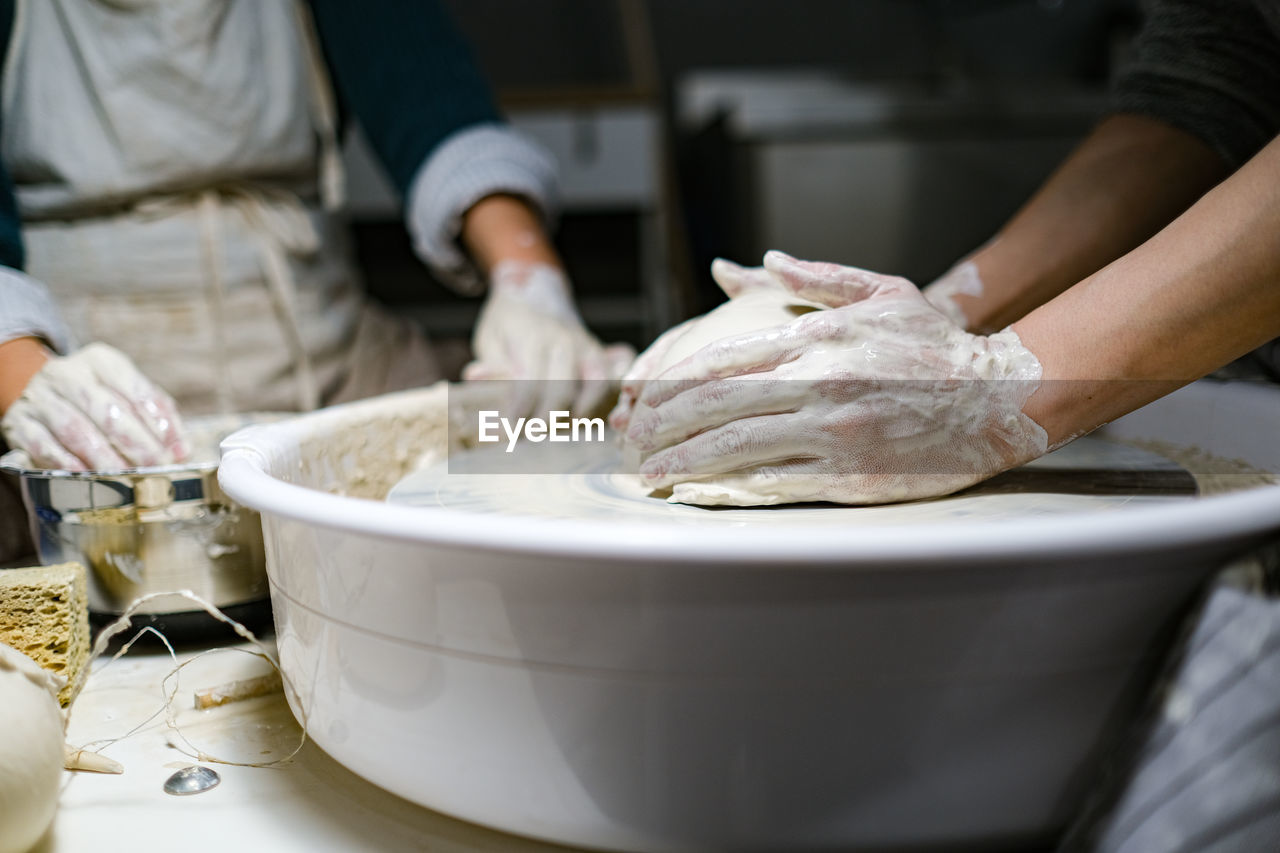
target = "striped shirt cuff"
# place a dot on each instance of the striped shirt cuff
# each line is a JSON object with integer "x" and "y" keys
{"x": 27, "y": 310}
{"x": 470, "y": 164}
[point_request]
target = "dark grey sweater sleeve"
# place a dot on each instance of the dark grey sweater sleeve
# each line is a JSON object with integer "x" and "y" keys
{"x": 11, "y": 249}
{"x": 1211, "y": 68}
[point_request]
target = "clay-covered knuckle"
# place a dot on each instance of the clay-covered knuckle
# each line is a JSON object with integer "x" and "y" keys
{"x": 661, "y": 468}
{"x": 659, "y": 392}
{"x": 839, "y": 325}
{"x": 641, "y": 425}
{"x": 803, "y": 278}
{"x": 749, "y": 353}
{"x": 714, "y": 404}
{"x": 652, "y": 429}
{"x": 726, "y": 400}
{"x": 751, "y": 441}
{"x": 692, "y": 458}
{"x": 832, "y": 294}
{"x": 132, "y": 439}
{"x": 830, "y": 283}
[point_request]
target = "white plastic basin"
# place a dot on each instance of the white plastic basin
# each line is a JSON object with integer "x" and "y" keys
{"x": 641, "y": 686}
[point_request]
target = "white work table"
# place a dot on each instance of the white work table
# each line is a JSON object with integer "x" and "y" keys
{"x": 309, "y": 803}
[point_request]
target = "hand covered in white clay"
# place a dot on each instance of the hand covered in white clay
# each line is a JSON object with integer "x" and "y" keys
{"x": 879, "y": 399}
{"x": 529, "y": 330}
{"x": 94, "y": 410}
{"x": 735, "y": 281}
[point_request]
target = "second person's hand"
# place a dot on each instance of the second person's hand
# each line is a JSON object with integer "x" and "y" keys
{"x": 93, "y": 410}
{"x": 529, "y": 330}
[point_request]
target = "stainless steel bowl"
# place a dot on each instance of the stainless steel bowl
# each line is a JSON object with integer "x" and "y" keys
{"x": 149, "y": 530}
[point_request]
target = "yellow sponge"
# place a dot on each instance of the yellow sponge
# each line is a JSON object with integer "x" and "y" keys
{"x": 44, "y": 613}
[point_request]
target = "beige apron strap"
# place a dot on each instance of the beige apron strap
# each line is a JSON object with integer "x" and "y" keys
{"x": 324, "y": 113}
{"x": 280, "y": 230}
{"x": 211, "y": 257}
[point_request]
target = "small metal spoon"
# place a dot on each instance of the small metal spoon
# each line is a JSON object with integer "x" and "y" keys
{"x": 191, "y": 780}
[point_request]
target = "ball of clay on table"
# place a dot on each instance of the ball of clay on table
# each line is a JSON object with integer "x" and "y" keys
{"x": 31, "y": 750}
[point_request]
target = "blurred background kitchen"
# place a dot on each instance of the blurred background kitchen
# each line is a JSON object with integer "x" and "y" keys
{"x": 895, "y": 135}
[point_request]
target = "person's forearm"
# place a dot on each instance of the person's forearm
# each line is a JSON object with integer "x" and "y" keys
{"x": 1127, "y": 180}
{"x": 1202, "y": 292}
{"x": 20, "y": 359}
{"x": 504, "y": 228}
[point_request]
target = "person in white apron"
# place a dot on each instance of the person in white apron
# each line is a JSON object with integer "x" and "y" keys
{"x": 175, "y": 167}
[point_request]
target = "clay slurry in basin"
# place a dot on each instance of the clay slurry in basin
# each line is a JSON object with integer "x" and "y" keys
{"x": 1087, "y": 475}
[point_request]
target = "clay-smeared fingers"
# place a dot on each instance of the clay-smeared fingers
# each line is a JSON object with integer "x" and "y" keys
{"x": 712, "y": 405}
{"x": 735, "y": 279}
{"x": 829, "y": 284}
{"x": 755, "y": 352}
{"x": 723, "y": 450}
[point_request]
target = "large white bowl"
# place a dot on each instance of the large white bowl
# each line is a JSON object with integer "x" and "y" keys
{"x": 638, "y": 686}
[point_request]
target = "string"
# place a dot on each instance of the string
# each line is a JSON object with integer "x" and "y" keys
{"x": 170, "y": 683}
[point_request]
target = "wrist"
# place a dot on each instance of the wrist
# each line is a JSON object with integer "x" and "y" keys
{"x": 947, "y": 293}
{"x": 20, "y": 360}
{"x": 1086, "y": 382}
{"x": 1008, "y": 285}
{"x": 501, "y": 228}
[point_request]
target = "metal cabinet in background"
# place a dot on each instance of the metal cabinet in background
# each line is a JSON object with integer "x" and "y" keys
{"x": 893, "y": 177}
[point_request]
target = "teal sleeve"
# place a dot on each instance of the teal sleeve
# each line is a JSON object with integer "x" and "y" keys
{"x": 406, "y": 73}
{"x": 12, "y": 253}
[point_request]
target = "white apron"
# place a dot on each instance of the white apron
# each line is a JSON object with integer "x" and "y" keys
{"x": 170, "y": 158}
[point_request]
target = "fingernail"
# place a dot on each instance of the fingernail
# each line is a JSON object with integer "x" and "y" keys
{"x": 776, "y": 258}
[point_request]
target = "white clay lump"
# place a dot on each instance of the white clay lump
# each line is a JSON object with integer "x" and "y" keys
{"x": 31, "y": 750}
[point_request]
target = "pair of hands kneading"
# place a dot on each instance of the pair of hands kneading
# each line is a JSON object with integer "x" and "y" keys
{"x": 818, "y": 382}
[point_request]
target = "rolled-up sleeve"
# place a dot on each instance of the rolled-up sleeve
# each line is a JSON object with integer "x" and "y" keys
{"x": 408, "y": 75}
{"x": 1211, "y": 69}
{"x": 27, "y": 310}
{"x": 473, "y": 163}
